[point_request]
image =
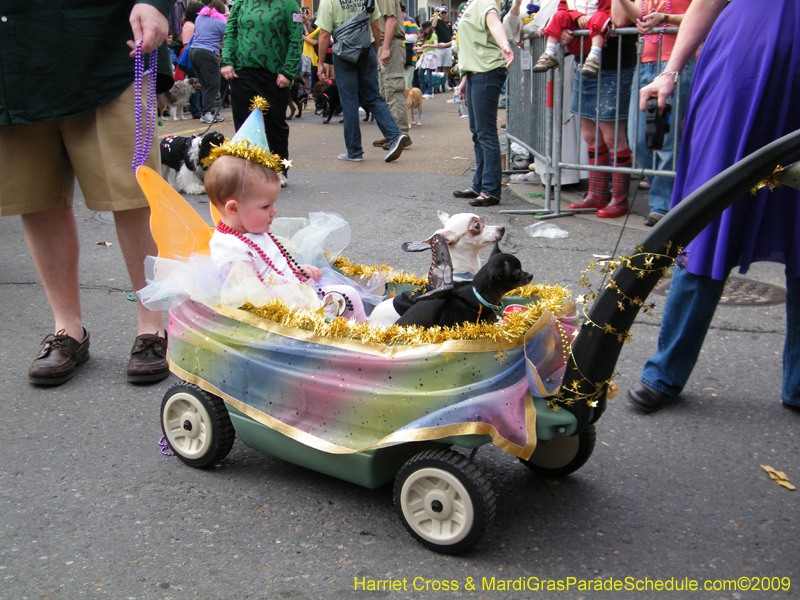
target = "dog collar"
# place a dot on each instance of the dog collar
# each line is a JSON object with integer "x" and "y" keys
{"x": 465, "y": 276}
{"x": 495, "y": 308}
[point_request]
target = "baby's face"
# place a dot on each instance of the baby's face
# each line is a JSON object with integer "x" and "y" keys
{"x": 258, "y": 210}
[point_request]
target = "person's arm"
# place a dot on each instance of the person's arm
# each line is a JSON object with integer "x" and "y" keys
{"x": 376, "y": 35}
{"x": 229, "y": 42}
{"x": 291, "y": 64}
{"x": 512, "y": 21}
{"x": 148, "y": 24}
{"x": 697, "y": 22}
{"x": 388, "y": 34}
{"x": 499, "y": 34}
{"x": 324, "y": 44}
{"x": 625, "y": 12}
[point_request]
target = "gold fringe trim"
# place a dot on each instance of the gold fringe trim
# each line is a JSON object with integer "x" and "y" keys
{"x": 550, "y": 298}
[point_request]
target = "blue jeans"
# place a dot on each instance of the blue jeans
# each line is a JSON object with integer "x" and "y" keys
{"x": 688, "y": 312}
{"x": 483, "y": 93}
{"x": 426, "y": 81}
{"x": 362, "y": 77}
{"x": 660, "y": 187}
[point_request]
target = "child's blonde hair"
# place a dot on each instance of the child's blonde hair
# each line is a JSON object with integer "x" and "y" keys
{"x": 228, "y": 177}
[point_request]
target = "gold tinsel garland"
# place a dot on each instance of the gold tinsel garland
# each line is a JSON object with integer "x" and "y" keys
{"x": 549, "y": 297}
{"x": 247, "y": 150}
{"x": 650, "y": 261}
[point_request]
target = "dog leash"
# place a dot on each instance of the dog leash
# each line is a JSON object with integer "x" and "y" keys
{"x": 142, "y": 148}
{"x": 219, "y": 108}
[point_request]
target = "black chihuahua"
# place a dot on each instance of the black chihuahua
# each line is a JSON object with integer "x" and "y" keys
{"x": 473, "y": 301}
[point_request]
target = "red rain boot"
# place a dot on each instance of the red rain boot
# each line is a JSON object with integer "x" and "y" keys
{"x": 598, "y": 182}
{"x": 619, "y": 189}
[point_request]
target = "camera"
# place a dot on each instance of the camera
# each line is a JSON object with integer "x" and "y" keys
{"x": 657, "y": 124}
{"x": 305, "y": 10}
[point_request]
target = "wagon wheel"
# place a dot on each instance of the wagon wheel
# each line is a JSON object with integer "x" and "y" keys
{"x": 561, "y": 456}
{"x": 196, "y": 425}
{"x": 444, "y": 500}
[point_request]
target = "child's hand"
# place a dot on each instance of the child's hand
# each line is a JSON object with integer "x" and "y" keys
{"x": 311, "y": 272}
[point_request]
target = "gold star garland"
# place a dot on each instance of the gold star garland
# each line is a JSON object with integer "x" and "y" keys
{"x": 651, "y": 262}
{"x": 771, "y": 182}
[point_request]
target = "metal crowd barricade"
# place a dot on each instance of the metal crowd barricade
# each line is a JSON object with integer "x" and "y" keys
{"x": 535, "y": 116}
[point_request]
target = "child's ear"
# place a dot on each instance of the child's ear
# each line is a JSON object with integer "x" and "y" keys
{"x": 231, "y": 206}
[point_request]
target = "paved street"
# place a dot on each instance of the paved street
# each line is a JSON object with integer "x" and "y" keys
{"x": 89, "y": 507}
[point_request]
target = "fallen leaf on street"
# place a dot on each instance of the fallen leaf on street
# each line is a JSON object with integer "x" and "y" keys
{"x": 779, "y": 477}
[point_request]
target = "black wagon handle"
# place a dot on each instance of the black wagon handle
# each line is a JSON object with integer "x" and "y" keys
{"x": 596, "y": 350}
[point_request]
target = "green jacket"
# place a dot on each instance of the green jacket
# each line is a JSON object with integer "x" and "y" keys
{"x": 264, "y": 34}
{"x": 63, "y": 58}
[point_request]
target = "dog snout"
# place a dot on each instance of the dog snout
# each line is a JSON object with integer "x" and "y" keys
{"x": 501, "y": 231}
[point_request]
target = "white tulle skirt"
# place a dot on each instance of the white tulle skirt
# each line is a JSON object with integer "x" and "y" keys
{"x": 318, "y": 240}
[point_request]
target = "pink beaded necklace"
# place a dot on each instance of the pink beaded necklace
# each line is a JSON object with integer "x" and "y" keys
{"x": 298, "y": 272}
{"x": 652, "y": 7}
{"x": 142, "y": 148}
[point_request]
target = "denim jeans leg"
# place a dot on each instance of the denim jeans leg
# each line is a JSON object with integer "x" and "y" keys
{"x": 791, "y": 347}
{"x": 483, "y": 93}
{"x": 347, "y": 82}
{"x": 371, "y": 96}
{"x": 477, "y": 178}
{"x": 688, "y": 312}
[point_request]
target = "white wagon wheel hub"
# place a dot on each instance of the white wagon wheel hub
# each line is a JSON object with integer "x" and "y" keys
{"x": 187, "y": 424}
{"x": 437, "y": 506}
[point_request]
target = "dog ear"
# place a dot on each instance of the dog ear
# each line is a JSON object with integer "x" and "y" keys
{"x": 443, "y": 216}
{"x": 449, "y": 236}
{"x": 416, "y": 246}
{"x": 495, "y": 249}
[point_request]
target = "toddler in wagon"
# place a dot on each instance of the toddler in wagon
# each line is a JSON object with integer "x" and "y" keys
{"x": 594, "y": 15}
{"x": 245, "y": 191}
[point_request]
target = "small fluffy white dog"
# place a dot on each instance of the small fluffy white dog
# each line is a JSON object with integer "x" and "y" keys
{"x": 181, "y": 160}
{"x": 466, "y": 234}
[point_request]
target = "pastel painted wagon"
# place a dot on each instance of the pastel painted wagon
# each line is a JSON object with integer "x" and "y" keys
{"x": 369, "y": 409}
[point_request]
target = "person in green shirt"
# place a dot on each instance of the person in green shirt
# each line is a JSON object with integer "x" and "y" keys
{"x": 484, "y": 54}
{"x": 261, "y": 57}
{"x": 67, "y": 110}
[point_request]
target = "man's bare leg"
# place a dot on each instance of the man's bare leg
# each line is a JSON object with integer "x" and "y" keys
{"x": 52, "y": 237}
{"x": 136, "y": 242}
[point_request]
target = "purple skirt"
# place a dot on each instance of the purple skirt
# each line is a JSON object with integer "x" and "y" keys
{"x": 745, "y": 94}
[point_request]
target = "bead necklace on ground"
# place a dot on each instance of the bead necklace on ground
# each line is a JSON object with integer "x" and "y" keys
{"x": 298, "y": 272}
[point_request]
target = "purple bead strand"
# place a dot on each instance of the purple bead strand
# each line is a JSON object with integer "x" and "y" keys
{"x": 142, "y": 149}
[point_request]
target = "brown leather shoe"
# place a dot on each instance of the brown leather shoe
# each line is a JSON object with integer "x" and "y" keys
{"x": 380, "y": 143}
{"x": 58, "y": 358}
{"x": 484, "y": 201}
{"x": 148, "y": 362}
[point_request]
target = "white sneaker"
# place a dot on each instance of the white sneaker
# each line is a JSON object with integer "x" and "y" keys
{"x": 284, "y": 181}
{"x": 396, "y": 148}
{"x": 207, "y": 118}
{"x": 344, "y": 156}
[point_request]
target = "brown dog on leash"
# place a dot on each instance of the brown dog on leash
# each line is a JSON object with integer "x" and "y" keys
{"x": 414, "y": 100}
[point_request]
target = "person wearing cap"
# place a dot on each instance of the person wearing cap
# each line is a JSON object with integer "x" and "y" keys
{"x": 444, "y": 33}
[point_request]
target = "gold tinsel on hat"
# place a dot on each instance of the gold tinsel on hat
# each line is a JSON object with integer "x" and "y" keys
{"x": 258, "y": 103}
{"x": 245, "y": 149}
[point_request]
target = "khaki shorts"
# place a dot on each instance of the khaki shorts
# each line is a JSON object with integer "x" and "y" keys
{"x": 41, "y": 160}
